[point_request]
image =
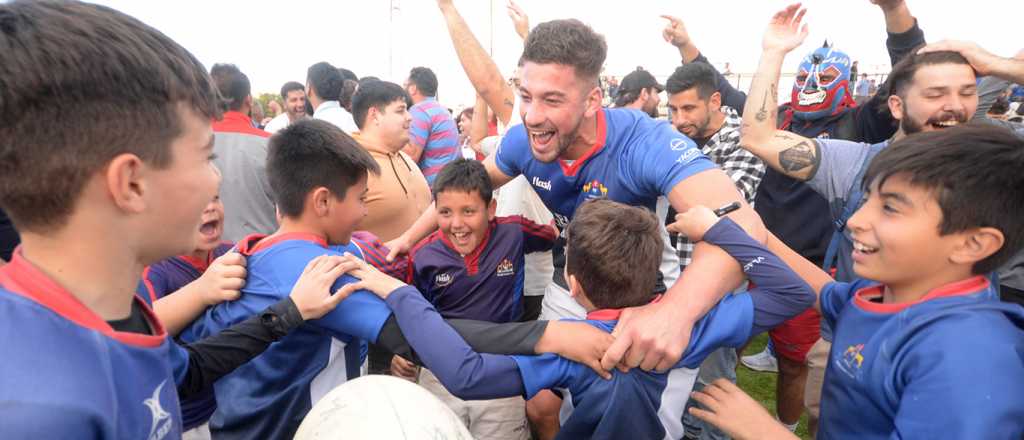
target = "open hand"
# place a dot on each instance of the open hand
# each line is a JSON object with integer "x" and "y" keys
{"x": 519, "y": 19}
{"x": 983, "y": 61}
{"x": 784, "y": 32}
{"x": 736, "y": 413}
{"x": 694, "y": 223}
{"x": 380, "y": 283}
{"x": 398, "y": 246}
{"x": 312, "y": 292}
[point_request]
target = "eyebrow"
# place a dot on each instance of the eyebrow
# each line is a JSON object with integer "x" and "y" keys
{"x": 898, "y": 197}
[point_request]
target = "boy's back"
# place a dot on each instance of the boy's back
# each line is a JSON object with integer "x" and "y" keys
{"x": 958, "y": 342}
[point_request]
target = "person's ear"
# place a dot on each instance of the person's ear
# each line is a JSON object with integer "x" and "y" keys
{"x": 492, "y": 209}
{"x": 977, "y": 244}
{"x": 126, "y": 182}
{"x": 715, "y": 101}
{"x": 320, "y": 198}
{"x": 593, "y": 102}
{"x": 896, "y": 107}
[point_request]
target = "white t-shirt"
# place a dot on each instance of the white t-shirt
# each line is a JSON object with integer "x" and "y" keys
{"x": 333, "y": 112}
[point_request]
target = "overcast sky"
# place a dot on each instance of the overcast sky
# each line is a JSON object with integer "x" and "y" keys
{"x": 275, "y": 41}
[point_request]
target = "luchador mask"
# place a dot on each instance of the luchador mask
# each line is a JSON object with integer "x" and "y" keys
{"x": 822, "y": 86}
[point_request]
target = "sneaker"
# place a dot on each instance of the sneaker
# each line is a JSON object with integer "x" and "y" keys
{"x": 763, "y": 361}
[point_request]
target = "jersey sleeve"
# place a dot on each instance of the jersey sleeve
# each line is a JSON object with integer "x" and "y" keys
{"x": 419, "y": 129}
{"x": 840, "y": 162}
{"x": 951, "y": 383}
{"x": 375, "y": 253}
{"x": 536, "y": 237}
{"x": 513, "y": 152}
{"x": 833, "y": 298}
{"x": 156, "y": 284}
{"x": 545, "y": 371}
{"x": 727, "y": 324}
{"x": 663, "y": 159}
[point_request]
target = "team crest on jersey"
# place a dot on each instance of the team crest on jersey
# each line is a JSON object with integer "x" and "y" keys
{"x": 443, "y": 279}
{"x": 595, "y": 189}
{"x": 505, "y": 268}
{"x": 852, "y": 359}
{"x": 162, "y": 422}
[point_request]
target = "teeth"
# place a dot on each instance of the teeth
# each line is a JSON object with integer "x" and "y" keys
{"x": 950, "y": 123}
{"x": 862, "y": 248}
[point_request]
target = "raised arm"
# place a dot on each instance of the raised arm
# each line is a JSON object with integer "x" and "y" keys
{"x": 788, "y": 153}
{"x": 482, "y": 71}
{"x": 675, "y": 33}
{"x": 478, "y": 129}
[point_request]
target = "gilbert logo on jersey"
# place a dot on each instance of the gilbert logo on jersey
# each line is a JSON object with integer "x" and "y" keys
{"x": 442, "y": 279}
{"x": 505, "y": 268}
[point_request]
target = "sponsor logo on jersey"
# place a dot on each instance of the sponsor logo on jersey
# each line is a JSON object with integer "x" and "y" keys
{"x": 505, "y": 268}
{"x": 162, "y": 422}
{"x": 542, "y": 184}
{"x": 443, "y": 279}
{"x": 851, "y": 360}
{"x": 595, "y": 189}
{"x": 689, "y": 155}
{"x": 752, "y": 263}
{"x": 677, "y": 144}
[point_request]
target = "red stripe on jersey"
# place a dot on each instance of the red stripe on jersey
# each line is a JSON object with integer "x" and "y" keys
{"x": 602, "y": 131}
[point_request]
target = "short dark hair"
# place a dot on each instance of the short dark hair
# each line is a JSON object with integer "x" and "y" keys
{"x": 347, "y": 74}
{"x": 468, "y": 111}
{"x": 902, "y": 73}
{"x": 975, "y": 173}
{"x": 690, "y": 75}
{"x": 464, "y": 175}
{"x": 348, "y": 90}
{"x": 425, "y": 80}
{"x": 568, "y": 42}
{"x": 291, "y": 86}
{"x": 625, "y": 98}
{"x": 325, "y": 80}
{"x": 232, "y": 84}
{"x": 377, "y": 94}
{"x": 79, "y": 85}
{"x": 614, "y": 251}
{"x": 309, "y": 154}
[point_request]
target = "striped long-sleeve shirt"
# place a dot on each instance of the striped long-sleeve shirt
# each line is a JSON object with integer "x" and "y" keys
{"x": 435, "y": 131}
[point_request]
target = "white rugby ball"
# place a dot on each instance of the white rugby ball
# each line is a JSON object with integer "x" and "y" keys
{"x": 381, "y": 407}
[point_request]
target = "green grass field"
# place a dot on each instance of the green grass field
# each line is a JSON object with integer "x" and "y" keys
{"x": 761, "y": 386}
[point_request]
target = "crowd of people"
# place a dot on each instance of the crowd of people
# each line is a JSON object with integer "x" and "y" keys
{"x": 555, "y": 260}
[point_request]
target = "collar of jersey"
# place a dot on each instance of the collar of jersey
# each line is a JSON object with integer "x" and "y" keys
{"x": 202, "y": 264}
{"x": 602, "y": 131}
{"x": 863, "y": 297}
{"x": 612, "y": 314}
{"x": 254, "y": 243}
{"x": 472, "y": 261}
{"x": 23, "y": 278}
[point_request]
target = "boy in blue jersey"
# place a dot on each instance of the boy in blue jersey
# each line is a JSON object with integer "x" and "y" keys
{"x": 927, "y": 351}
{"x": 473, "y": 267}
{"x": 318, "y": 177}
{"x": 612, "y": 256}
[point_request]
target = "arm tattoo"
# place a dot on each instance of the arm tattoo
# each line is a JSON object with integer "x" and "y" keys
{"x": 799, "y": 157}
{"x": 762, "y": 114}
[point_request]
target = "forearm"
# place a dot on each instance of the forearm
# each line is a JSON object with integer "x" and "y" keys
{"x": 808, "y": 271}
{"x": 1011, "y": 69}
{"x": 414, "y": 151}
{"x": 478, "y": 129}
{"x": 898, "y": 19}
{"x": 482, "y": 71}
{"x": 464, "y": 372}
{"x": 712, "y": 274}
{"x": 218, "y": 355}
{"x": 688, "y": 52}
{"x": 177, "y": 310}
{"x": 424, "y": 225}
{"x": 780, "y": 293}
{"x": 785, "y": 152}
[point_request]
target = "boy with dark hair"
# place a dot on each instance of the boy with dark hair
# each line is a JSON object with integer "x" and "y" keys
{"x": 637, "y": 404}
{"x": 318, "y": 175}
{"x": 943, "y": 211}
{"x": 83, "y": 355}
{"x": 473, "y": 268}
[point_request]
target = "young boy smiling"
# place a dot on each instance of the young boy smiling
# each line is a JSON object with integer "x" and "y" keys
{"x": 927, "y": 351}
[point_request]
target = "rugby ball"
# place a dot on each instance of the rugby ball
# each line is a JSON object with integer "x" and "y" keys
{"x": 380, "y": 407}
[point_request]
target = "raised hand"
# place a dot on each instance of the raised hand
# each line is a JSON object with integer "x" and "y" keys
{"x": 519, "y": 19}
{"x": 675, "y": 31}
{"x": 983, "y": 61}
{"x": 784, "y": 32}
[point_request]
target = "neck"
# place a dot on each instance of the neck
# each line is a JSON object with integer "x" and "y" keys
{"x": 716, "y": 123}
{"x": 200, "y": 254}
{"x": 102, "y": 273}
{"x": 418, "y": 98}
{"x": 911, "y": 291}
{"x": 374, "y": 140}
{"x": 315, "y": 101}
{"x": 585, "y": 139}
{"x": 299, "y": 225}
{"x": 899, "y": 134}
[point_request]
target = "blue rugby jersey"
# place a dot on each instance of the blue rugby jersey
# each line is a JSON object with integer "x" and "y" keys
{"x": 636, "y": 159}
{"x": 950, "y": 365}
{"x": 168, "y": 276}
{"x": 486, "y": 285}
{"x": 67, "y": 374}
{"x": 268, "y": 396}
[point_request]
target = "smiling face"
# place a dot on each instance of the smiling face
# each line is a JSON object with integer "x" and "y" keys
{"x": 896, "y": 235}
{"x": 940, "y": 96}
{"x": 393, "y": 121}
{"x": 295, "y": 104}
{"x": 554, "y": 103}
{"x": 463, "y": 217}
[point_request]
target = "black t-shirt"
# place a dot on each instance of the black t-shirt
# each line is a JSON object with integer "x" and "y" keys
{"x": 134, "y": 323}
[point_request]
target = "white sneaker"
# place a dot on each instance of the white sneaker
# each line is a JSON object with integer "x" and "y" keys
{"x": 763, "y": 361}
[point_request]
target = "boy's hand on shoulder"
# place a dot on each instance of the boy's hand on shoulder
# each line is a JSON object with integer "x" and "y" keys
{"x": 370, "y": 278}
{"x": 312, "y": 292}
{"x": 576, "y": 341}
{"x": 694, "y": 223}
{"x": 403, "y": 368}
{"x": 736, "y": 413}
{"x": 223, "y": 280}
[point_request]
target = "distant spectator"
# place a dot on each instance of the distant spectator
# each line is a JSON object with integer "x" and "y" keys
{"x": 323, "y": 90}
{"x": 862, "y": 92}
{"x": 294, "y": 96}
{"x": 433, "y": 136}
